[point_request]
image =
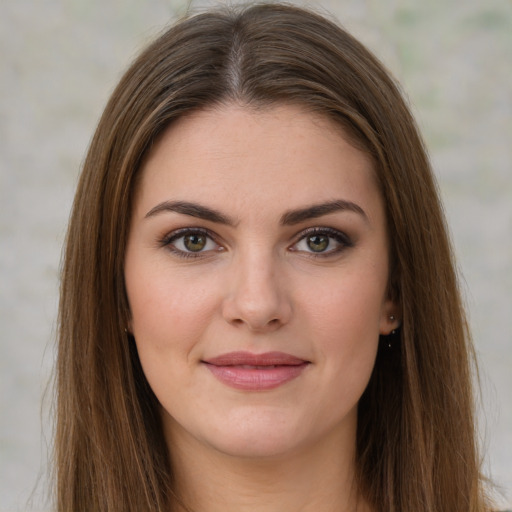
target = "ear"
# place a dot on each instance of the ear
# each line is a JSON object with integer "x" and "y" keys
{"x": 390, "y": 317}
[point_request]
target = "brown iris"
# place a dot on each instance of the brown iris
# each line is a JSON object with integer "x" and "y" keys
{"x": 195, "y": 242}
{"x": 318, "y": 243}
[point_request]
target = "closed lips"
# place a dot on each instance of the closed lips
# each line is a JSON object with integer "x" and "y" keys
{"x": 255, "y": 360}
{"x": 255, "y": 372}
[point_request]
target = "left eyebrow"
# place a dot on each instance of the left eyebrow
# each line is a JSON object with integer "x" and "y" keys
{"x": 191, "y": 209}
{"x": 314, "y": 211}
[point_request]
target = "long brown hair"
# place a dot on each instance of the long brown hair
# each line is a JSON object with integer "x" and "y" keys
{"x": 416, "y": 448}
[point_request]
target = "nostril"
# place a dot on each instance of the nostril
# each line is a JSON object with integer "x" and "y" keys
{"x": 256, "y": 326}
{"x": 258, "y": 307}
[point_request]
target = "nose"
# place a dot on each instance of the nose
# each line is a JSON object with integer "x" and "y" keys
{"x": 257, "y": 297}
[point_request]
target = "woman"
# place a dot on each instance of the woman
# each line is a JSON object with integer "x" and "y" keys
{"x": 259, "y": 308}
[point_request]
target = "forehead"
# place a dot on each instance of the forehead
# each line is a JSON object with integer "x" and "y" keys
{"x": 236, "y": 156}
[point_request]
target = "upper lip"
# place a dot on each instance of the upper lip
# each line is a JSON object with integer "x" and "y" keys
{"x": 250, "y": 359}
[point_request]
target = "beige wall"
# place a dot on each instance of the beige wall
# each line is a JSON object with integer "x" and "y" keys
{"x": 59, "y": 59}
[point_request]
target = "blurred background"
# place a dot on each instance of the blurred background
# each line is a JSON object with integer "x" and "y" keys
{"x": 59, "y": 61}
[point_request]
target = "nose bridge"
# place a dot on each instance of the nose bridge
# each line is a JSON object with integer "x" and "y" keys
{"x": 256, "y": 296}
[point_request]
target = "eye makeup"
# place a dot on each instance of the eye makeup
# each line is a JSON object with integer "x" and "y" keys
{"x": 197, "y": 242}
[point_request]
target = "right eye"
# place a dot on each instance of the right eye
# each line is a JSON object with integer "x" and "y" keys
{"x": 322, "y": 242}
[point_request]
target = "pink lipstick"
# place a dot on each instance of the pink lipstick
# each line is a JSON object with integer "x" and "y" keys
{"x": 255, "y": 372}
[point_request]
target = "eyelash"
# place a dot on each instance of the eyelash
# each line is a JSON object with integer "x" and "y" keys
{"x": 168, "y": 240}
{"x": 342, "y": 239}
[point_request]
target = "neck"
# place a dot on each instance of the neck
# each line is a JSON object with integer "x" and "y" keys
{"x": 313, "y": 479}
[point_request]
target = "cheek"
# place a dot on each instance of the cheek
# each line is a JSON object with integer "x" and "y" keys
{"x": 168, "y": 314}
{"x": 349, "y": 305}
{"x": 169, "y": 321}
{"x": 345, "y": 322}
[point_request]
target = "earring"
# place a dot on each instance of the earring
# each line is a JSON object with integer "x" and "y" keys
{"x": 395, "y": 330}
{"x": 390, "y": 342}
{"x": 392, "y": 319}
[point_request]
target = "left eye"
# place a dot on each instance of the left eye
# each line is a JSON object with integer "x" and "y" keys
{"x": 191, "y": 242}
{"x": 322, "y": 242}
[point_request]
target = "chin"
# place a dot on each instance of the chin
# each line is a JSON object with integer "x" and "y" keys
{"x": 256, "y": 446}
{"x": 260, "y": 435}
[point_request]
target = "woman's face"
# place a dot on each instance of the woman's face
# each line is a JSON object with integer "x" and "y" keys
{"x": 256, "y": 273}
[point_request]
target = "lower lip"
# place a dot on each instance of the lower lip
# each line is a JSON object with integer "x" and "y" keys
{"x": 256, "y": 379}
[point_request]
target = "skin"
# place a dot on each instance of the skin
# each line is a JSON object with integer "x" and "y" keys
{"x": 259, "y": 285}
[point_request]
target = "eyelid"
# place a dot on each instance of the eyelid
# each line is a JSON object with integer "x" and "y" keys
{"x": 168, "y": 239}
{"x": 343, "y": 240}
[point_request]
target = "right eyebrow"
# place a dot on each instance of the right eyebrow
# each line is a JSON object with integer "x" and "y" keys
{"x": 193, "y": 209}
{"x": 319, "y": 210}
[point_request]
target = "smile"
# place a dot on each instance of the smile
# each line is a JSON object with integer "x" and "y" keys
{"x": 255, "y": 372}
